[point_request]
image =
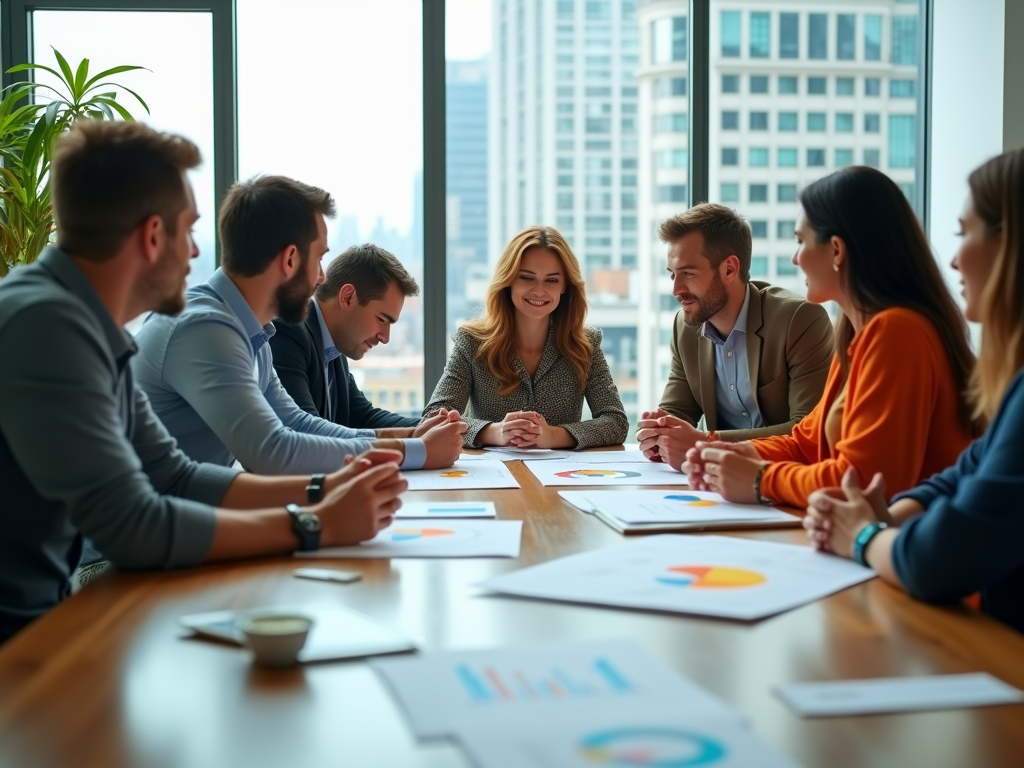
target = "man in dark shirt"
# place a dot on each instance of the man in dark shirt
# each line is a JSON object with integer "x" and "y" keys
{"x": 352, "y": 311}
{"x": 81, "y": 453}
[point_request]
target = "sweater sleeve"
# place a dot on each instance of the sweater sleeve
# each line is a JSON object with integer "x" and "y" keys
{"x": 609, "y": 425}
{"x": 801, "y": 444}
{"x": 454, "y": 388}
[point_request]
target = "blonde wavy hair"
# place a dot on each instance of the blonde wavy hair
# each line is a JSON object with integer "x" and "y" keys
{"x": 496, "y": 329}
{"x": 997, "y": 192}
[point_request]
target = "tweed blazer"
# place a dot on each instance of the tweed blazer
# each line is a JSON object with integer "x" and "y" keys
{"x": 789, "y": 351}
{"x": 468, "y": 386}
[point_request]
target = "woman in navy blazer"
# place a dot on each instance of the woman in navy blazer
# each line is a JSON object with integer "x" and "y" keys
{"x": 966, "y": 534}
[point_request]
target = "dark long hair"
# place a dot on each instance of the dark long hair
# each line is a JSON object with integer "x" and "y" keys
{"x": 890, "y": 264}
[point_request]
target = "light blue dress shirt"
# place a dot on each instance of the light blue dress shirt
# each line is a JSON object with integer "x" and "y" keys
{"x": 737, "y": 407}
{"x": 210, "y": 378}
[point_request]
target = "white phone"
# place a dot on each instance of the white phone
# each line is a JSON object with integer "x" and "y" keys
{"x": 328, "y": 574}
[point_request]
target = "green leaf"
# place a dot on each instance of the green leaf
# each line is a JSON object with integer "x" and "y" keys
{"x": 124, "y": 113}
{"x": 111, "y": 71}
{"x": 51, "y": 112}
{"x": 128, "y": 90}
{"x": 80, "y": 77}
{"x": 69, "y": 76}
{"x": 23, "y": 67}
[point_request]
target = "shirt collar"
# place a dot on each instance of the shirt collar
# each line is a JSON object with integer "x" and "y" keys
{"x": 225, "y": 287}
{"x": 330, "y": 350}
{"x": 709, "y": 331}
{"x": 63, "y": 267}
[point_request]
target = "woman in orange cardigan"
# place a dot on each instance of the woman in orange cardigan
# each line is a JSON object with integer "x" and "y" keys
{"x": 895, "y": 400}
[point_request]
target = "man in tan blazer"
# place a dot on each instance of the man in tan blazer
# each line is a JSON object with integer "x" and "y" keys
{"x": 749, "y": 357}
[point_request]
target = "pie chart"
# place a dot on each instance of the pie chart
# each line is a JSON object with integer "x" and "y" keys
{"x": 691, "y": 501}
{"x": 411, "y": 534}
{"x": 711, "y": 577}
{"x": 596, "y": 474}
{"x": 455, "y": 473}
{"x": 650, "y": 747}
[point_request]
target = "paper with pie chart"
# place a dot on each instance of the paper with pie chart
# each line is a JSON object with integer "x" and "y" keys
{"x": 462, "y": 476}
{"x": 428, "y": 510}
{"x": 571, "y": 472}
{"x": 436, "y": 538}
{"x": 680, "y": 507}
{"x": 706, "y": 575}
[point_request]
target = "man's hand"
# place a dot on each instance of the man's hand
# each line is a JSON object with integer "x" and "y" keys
{"x": 725, "y": 468}
{"x": 666, "y": 438}
{"x": 356, "y": 465}
{"x": 358, "y": 509}
{"x": 694, "y": 464}
{"x": 836, "y": 515}
{"x": 442, "y": 416}
{"x": 444, "y": 442}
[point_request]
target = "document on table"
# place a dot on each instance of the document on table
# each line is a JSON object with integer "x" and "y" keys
{"x": 579, "y": 473}
{"x": 448, "y": 691}
{"x": 646, "y": 511}
{"x": 511, "y": 453}
{"x": 444, "y": 538}
{"x": 446, "y": 509}
{"x": 708, "y": 575}
{"x": 625, "y": 456}
{"x": 462, "y": 476}
{"x": 897, "y": 694}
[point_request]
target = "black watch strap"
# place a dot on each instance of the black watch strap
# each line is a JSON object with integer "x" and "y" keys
{"x": 314, "y": 491}
{"x": 306, "y": 526}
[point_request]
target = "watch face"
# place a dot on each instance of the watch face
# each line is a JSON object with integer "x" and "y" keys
{"x": 310, "y": 523}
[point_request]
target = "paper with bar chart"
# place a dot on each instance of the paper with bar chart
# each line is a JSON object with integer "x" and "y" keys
{"x": 446, "y": 509}
{"x": 462, "y": 476}
{"x": 647, "y": 737}
{"x": 707, "y": 575}
{"x": 443, "y": 538}
{"x": 448, "y": 690}
{"x": 574, "y": 472}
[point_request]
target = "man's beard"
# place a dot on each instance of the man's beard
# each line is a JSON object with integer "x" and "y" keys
{"x": 164, "y": 284}
{"x": 293, "y": 297}
{"x": 708, "y": 305}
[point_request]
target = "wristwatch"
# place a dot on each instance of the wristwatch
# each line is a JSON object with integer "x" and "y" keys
{"x": 860, "y": 544}
{"x": 315, "y": 488}
{"x": 306, "y": 526}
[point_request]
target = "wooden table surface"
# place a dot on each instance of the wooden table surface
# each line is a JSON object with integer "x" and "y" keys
{"x": 107, "y": 678}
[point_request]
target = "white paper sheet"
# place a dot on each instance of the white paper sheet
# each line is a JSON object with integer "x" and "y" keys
{"x": 446, "y": 509}
{"x": 679, "y": 507}
{"x": 625, "y": 456}
{"x": 448, "y": 690}
{"x": 707, "y": 575}
{"x": 444, "y": 538}
{"x": 620, "y": 736}
{"x": 580, "y": 500}
{"x": 510, "y": 453}
{"x": 574, "y": 472}
{"x": 462, "y": 476}
{"x": 897, "y": 694}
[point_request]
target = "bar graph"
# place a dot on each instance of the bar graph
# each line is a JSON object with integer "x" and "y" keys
{"x": 598, "y": 677}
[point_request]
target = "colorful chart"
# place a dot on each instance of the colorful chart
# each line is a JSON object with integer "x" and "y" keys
{"x": 691, "y": 501}
{"x": 650, "y": 747}
{"x": 411, "y": 534}
{"x": 489, "y": 684}
{"x": 596, "y": 474}
{"x": 455, "y": 473}
{"x": 711, "y": 577}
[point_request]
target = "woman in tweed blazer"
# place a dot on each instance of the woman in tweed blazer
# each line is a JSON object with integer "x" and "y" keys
{"x": 524, "y": 367}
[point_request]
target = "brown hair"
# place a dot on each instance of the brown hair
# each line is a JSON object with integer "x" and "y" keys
{"x": 997, "y": 198}
{"x": 261, "y": 217}
{"x": 497, "y": 328}
{"x": 370, "y": 270}
{"x": 107, "y": 178}
{"x": 726, "y": 233}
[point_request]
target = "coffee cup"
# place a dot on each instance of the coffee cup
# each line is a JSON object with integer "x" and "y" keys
{"x": 276, "y": 639}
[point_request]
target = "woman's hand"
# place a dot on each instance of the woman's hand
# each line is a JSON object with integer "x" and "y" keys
{"x": 836, "y": 515}
{"x": 728, "y": 472}
{"x": 695, "y": 464}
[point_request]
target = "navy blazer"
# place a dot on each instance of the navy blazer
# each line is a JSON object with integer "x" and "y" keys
{"x": 299, "y": 361}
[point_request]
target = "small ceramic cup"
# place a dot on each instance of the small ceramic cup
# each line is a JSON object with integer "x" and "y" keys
{"x": 276, "y": 639}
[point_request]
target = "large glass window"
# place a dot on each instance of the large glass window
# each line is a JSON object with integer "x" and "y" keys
{"x": 846, "y": 36}
{"x": 904, "y": 40}
{"x": 872, "y": 37}
{"x": 669, "y": 39}
{"x": 760, "y": 35}
{"x": 902, "y": 141}
{"x": 789, "y": 35}
{"x": 817, "y": 37}
{"x": 730, "y": 33}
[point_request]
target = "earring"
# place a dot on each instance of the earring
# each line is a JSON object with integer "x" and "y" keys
{"x": 835, "y": 267}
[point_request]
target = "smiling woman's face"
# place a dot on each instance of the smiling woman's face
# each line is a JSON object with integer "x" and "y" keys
{"x": 974, "y": 259}
{"x": 818, "y": 262}
{"x": 539, "y": 284}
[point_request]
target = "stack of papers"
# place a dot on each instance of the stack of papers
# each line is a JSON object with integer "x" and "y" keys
{"x": 570, "y": 704}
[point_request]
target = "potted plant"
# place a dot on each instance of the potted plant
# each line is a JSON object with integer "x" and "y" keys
{"x": 27, "y": 134}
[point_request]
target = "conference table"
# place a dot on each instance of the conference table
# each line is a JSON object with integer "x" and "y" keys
{"x": 108, "y": 678}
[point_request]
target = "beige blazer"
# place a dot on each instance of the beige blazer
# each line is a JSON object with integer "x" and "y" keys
{"x": 789, "y": 351}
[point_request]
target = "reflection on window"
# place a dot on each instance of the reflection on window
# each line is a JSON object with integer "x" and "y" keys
{"x": 872, "y": 37}
{"x": 788, "y": 121}
{"x": 817, "y": 86}
{"x": 670, "y": 40}
{"x": 817, "y": 38}
{"x": 759, "y": 84}
{"x": 759, "y": 266}
{"x": 844, "y": 86}
{"x": 846, "y": 36}
{"x": 760, "y": 35}
{"x": 730, "y": 192}
{"x": 787, "y": 84}
{"x": 872, "y": 86}
{"x": 730, "y": 33}
{"x": 789, "y": 35}
{"x": 758, "y": 157}
{"x": 787, "y": 157}
{"x": 902, "y": 89}
{"x": 730, "y": 83}
{"x": 902, "y": 141}
{"x": 904, "y": 39}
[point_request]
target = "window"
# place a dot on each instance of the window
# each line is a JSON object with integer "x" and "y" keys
{"x": 671, "y": 158}
{"x": 730, "y": 156}
{"x": 759, "y": 84}
{"x": 872, "y": 37}
{"x": 902, "y": 141}
{"x": 787, "y": 121}
{"x": 730, "y": 192}
{"x": 564, "y": 201}
{"x": 674, "y": 122}
{"x": 730, "y": 120}
{"x": 565, "y": 162}
{"x": 672, "y": 193}
{"x": 844, "y": 157}
{"x": 816, "y": 86}
{"x": 844, "y": 86}
{"x": 759, "y": 121}
{"x": 785, "y": 229}
{"x": 817, "y": 39}
{"x": 902, "y": 89}
{"x": 730, "y": 34}
{"x": 760, "y": 35}
{"x": 598, "y": 201}
{"x": 816, "y": 121}
{"x": 786, "y": 157}
{"x": 787, "y": 84}
{"x": 871, "y": 122}
{"x": 598, "y": 10}
{"x": 565, "y": 180}
{"x": 844, "y": 122}
{"x": 815, "y": 158}
{"x": 599, "y": 125}
{"x": 598, "y": 180}
{"x": 666, "y": 87}
{"x": 759, "y": 192}
{"x": 628, "y": 180}
{"x": 759, "y": 229}
{"x": 786, "y": 193}
{"x": 565, "y": 224}
{"x": 730, "y": 83}
{"x": 871, "y": 157}
{"x": 784, "y": 266}
{"x": 846, "y": 36}
{"x": 669, "y": 40}
{"x": 757, "y": 157}
{"x": 564, "y": 125}
{"x": 907, "y": 188}
{"x": 789, "y": 35}
{"x": 565, "y": 9}
{"x": 904, "y": 40}
{"x": 759, "y": 266}
{"x": 872, "y": 86}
